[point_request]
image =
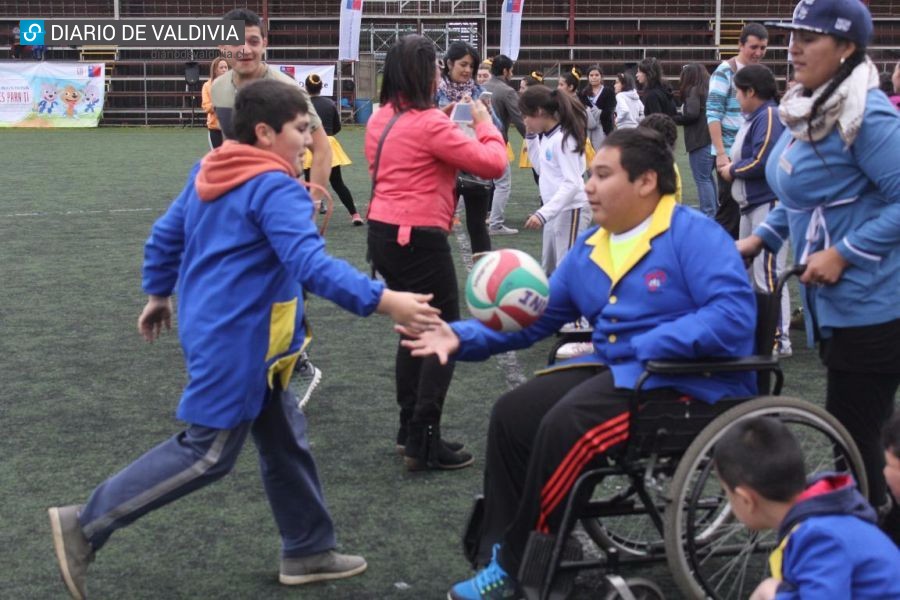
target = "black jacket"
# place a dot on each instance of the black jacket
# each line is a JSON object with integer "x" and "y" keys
{"x": 693, "y": 117}
{"x": 328, "y": 112}
{"x": 606, "y": 102}
{"x": 658, "y": 100}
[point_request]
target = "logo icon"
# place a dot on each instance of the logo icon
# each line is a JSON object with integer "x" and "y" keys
{"x": 32, "y": 32}
{"x": 655, "y": 279}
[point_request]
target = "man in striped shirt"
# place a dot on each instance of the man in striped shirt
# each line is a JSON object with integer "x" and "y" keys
{"x": 724, "y": 118}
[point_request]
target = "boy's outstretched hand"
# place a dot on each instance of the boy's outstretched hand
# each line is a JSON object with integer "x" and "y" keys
{"x": 156, "y": 313}
{"x": 409, "y": 310}
{"x": 438, "y": 340}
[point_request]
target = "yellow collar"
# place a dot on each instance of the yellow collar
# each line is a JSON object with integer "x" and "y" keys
{"x": 660, "y": 223}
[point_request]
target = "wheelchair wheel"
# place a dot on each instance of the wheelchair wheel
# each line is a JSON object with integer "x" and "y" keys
{"x": 630, "y": 534}
{"x": 710, "y": 553}
{"x": 640, "y": 588}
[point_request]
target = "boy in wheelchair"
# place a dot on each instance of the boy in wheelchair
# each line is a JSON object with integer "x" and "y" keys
{"x": 829, "y": 543}
{"x": 657, "y": 281}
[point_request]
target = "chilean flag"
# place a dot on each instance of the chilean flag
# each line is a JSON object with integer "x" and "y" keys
{"x": 511, "y": 27}
{"x": 351, "y": 19}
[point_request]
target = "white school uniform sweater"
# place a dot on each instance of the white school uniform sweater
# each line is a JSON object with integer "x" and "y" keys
{"x": 561, "y": 171}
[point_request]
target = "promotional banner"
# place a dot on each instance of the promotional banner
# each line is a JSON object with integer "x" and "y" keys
{"x": 351, "y": 18}
{"x": 51, "y": 94}
{"x": 511, "y": 27}
{"x": 301, "y": 72}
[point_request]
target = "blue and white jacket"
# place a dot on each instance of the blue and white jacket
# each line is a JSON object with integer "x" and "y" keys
{"x": 848, "y": 198}
{"x": 683, "y": 293}
{"x": 763, "y": 130}
{"x": 241, "y": 263}
{"x": 830, "y": 546}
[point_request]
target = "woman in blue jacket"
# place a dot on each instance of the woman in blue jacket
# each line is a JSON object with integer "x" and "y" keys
{"x": 836, "y": 173}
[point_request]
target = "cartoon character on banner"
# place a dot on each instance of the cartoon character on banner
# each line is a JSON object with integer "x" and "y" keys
{"x": 48, "y": 101}
{"x": 70, "y": 98}
{"x": 91, "y": 99}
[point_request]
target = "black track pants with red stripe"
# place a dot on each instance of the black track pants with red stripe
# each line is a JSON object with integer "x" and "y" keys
{"x": 541, "y": 437}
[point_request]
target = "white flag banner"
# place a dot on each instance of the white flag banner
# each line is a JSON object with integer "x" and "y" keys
{"x": 511, "y": 27}
{"x": 351, "y": 18}
{"x": 301, "y": 72}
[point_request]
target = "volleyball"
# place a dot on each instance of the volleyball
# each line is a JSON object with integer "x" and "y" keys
{"x": 507, "y": 290}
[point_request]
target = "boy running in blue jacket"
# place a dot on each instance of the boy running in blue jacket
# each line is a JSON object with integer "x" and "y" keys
{"x": 241, "y": 245}
{"x": 829, "y": 545}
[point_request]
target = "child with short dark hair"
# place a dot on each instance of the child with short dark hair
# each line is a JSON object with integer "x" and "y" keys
{"x": 665, "y": 125}
{"x": 241, "y": 245}
{"x": 829, "y": 545}
{"x": 890, "y": 522}
{"x": 891, "y": 439}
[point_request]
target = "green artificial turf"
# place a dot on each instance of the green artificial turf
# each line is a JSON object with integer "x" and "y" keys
{"x": 82, "y": 395}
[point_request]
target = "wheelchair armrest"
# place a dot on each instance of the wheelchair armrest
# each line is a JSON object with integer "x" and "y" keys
{"x": 712, "y": 365}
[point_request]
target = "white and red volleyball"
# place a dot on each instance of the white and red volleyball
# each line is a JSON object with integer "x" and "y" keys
{"x": 507, "y": 290}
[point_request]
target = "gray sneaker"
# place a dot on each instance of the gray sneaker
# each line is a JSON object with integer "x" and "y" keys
{"x": 73, "y": 551}
{"x": 307, "y": 377}
{"x": 320, "y": 567}
{"x": 502, "y": 230}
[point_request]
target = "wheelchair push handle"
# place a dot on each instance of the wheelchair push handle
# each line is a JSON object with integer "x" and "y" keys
{"x": 785, "y": 275}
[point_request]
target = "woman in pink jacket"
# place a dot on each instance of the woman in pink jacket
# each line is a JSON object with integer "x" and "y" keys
{"x": 414, "y": 152}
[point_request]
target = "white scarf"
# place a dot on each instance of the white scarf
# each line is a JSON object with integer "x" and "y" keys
{"x": 844, "y": 108}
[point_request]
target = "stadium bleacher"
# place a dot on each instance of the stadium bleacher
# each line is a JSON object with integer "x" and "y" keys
{"x": 147, "y": 87}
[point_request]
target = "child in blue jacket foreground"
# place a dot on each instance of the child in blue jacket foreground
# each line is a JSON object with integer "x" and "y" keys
{"x": 829, "y": 543}
{"x": 241, "y": 244}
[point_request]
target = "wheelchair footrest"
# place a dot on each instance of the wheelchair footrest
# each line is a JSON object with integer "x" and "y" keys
{"x": 539, "y": 574}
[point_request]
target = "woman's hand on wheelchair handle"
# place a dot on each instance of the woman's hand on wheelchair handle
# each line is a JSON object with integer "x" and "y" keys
{"x": 824, "y": 267}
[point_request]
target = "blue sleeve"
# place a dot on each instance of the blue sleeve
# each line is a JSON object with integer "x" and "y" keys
{"x": 716, "y": 100}
{"x": 816, "y": 565}
{"x": 876, "y": 149}
{"x": 764, "y": 133}
{"x": 284, "y": 212}
{"x": 726, "y": 315}
{"x": 164, "y": 247}
{"x": 478, "y": 342}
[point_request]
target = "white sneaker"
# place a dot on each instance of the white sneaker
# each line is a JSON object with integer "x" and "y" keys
{"x": 573, "y": 349}
{"x": 307, "y": 377}
{"x": 502, "y": 230}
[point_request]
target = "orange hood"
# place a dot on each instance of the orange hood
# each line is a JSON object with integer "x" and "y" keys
{"x": 233, "y": 164}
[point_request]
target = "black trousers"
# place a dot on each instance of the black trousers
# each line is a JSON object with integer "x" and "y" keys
{"x": 425, "y": 266}
{"x": 863, "y": 377}
{"x": 215, "y": 138}
{"x": 478, "y": 203}
{"x": 728, "y": 215}
{"x": 542, "y": 436}
{"x": 337, "y": 182}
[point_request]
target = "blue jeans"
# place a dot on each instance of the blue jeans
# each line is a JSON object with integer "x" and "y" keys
{"x": 200, "y": 455}
{"x": 702, "y": 164}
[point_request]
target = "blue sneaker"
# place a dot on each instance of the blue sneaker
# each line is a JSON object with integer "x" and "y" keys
{"x": 491, "y": 583}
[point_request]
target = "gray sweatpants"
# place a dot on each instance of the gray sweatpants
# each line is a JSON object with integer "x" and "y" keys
{"x": 559, "y": 236}
{"x": 764, "y": 271}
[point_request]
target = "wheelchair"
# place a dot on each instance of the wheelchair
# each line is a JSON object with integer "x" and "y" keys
{"x": 659, "y": 499}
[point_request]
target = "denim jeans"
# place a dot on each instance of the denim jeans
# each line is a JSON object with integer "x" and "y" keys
{"x": 702, "y": 165}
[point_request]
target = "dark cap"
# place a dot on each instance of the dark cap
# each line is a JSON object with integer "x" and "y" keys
{"x": 847, "y": 19}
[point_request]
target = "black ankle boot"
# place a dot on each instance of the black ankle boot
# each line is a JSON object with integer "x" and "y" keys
{"x": 425, "y": 451}
{"x": 403, "y": 433}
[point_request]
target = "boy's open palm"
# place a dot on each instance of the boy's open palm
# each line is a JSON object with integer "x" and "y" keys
{"x": 439, "y": 340}
{"x": 156, "y": 314}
